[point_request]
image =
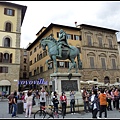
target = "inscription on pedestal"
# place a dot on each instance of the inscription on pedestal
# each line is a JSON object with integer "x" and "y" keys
{"x": 68, "y": 85}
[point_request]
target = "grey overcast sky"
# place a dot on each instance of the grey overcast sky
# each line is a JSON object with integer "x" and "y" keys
{"x": 42, "y": 13}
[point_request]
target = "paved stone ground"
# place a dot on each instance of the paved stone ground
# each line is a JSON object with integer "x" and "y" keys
{"x": 4, "y": 113}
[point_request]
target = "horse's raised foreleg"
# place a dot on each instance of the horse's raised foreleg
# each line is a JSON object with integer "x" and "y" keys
{"x": 73, "y": 65}
{"x": 47, "y": 61}
{"x": 55, "y": 64}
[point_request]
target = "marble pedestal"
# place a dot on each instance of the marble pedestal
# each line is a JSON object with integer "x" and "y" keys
{"x": 65, "y": 82}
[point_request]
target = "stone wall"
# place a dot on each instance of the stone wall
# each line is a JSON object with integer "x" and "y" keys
{"x": 11, "y": 76}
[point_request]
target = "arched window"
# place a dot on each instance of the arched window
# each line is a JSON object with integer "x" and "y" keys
{"x": 92, "y": 65}
{"x": 6, "y": 58}
{"x": 7, "y": 42}
{"x": 89, "y": 40}
{"x": 8, "y": 27}
{"x": 106, "y": 80}
{"x": 103, "y": 63}
{"x": 91, "y": 57}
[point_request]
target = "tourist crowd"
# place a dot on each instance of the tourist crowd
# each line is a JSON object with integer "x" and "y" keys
{"x": 95, "y": 101}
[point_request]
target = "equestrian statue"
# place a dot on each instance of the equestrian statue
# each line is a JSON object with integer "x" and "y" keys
{"x": 60, "y": 49}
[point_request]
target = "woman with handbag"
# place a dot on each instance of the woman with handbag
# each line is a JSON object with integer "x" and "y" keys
{"x": 63, "y": 100}
{"x": 72, "y": 102}
{"x": 95, "y": 103}
{"x": 55, "y": 103}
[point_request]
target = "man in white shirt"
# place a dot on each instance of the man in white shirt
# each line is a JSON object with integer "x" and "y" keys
{"x": 43, "y": 95}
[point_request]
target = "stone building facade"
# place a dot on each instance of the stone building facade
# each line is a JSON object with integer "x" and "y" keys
{"x": 24, "y": 67}
{"x": 10, "y": 31}
{"x": 98, "y": 50}
{"x": 100, "y": 54}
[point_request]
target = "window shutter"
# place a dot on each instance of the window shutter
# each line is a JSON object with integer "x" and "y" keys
{"x": 13, "y": 12}
{"x": 5, "y": 11}
{"x": 0, "y": 69}
{"x": 80, "y": 37}
{"x": 72, "y": 37}
{"x": 10, "y": 58}
{"x": 57, "y": 34}
{"x": 1, "y": 57}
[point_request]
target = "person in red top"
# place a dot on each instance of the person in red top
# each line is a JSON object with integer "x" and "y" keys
{"x": 63, "y": 100}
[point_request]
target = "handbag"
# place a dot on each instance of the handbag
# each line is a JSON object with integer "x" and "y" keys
{"x": 90, "y": 106}
{"x": 56, "y": 102}
{"x": 63, "y": 101}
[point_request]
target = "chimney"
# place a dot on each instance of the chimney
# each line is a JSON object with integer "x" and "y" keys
{"x": 76, "y": 24}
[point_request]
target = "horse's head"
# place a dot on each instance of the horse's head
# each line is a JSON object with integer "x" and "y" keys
{"x": 47, "y": 41}
{"x": 43, "y": 44}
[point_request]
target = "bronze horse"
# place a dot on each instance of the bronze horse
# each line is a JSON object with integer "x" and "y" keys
{"x": 67, "y": 53}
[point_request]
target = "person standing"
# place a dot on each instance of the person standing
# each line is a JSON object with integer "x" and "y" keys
{"x": 43, "y": 95}
{"x": 24, "y": 101}
{"x": 109, "y": 99}
{"x": 55, "y": 103}
{"x": 103, "y": 103}
{"x": 10, "y": 97}
{"x": 113, "y": 97}
{"x": 116, "y": 97}
{"x": 85, "y": 97}
{"x": 14, "y": 104}
{"x": 63, "y": 100}
{"x": 72, "y": 102}
{"x": 95, "y": 103}
{"x": 29, "y": 99}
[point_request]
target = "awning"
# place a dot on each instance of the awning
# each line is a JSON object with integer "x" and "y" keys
{"x": 83, "y": 82}
{"x": 5, "y": 83}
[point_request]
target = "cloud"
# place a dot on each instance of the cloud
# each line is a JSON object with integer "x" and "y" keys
{"x": 108, "y": 10}
{"x": 42, "y": 13}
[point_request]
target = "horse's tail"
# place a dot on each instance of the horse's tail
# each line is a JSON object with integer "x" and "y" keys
{"x": 79, "y": 61}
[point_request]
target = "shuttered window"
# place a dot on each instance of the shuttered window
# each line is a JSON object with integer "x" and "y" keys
{"x": 110, "y": 43}
{"x": 113, "y": 64}
{"x": 100, "y": 41}
{"x": 9, "y": 12}
{"x": 77, "y": 37}
{"x": 89, "y": 40}
{"x": 103, "y": 63}
{"x": 3, "y": 69}
{"x": 92, "y": 62}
